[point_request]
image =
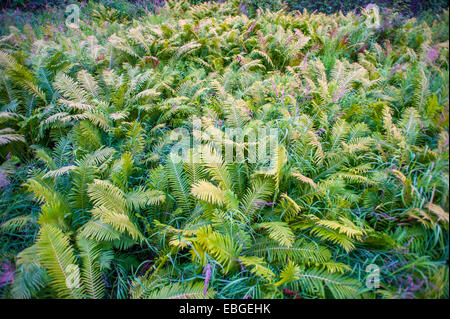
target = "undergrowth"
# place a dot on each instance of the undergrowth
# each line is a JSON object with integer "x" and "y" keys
{"x": 356, "y": 187}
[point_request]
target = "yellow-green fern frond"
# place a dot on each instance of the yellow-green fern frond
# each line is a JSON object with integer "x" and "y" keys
{"x": 208, "y": 192}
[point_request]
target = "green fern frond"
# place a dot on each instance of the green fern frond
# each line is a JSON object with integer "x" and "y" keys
{"x": 56, "y": 255}
{"x": 289, "y": 274}
{"x": 208, "y": 192}
{"x": 16, "y": 224}
{"x": 106, "y": 195}
{"x": 258, "y": 267}
{"x": 300, "y": 252}
{"x": 260, "y": 190}
{"x": 140, "y": 198}
{"x": 179, "y": 291}
{"x": 95, "y": 229}
{"x": 279, "y": 231}
{"x": 321, "y": 283}
{"x": 91, "y": 276}
{"x": 178, "y": 183}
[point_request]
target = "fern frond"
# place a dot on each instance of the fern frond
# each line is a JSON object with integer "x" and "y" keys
{"x": 258, "y": 267}
{"x": 299, "y": 252}
{"x": 222, "y": 247}
{"x": 88, "y": 82}
{"x": 278, "y": 160}
{"x": 16, "y": 224}
{"x": 208, "y": 192}
{"x": 289, "y": 274}
{"x": 69, "y": 88}
{"x": 140, "y": 197}
{"x": 56, "y": 255}
{"x": 304, "y": 179}
{"x": 179, "y": 291}
{"x": 91, "y": 275}
{"x": 321, "y": 283}
{"x": 95, "y": 229}
{"x": 279, "y": 231}
{"x": 106, "y": 195}
{"x": 119, "y": 221}
{"x": 260, "y": 190}
{"x": 178, "y": 183}
{"x": 8, "y": 135}
{"x": 82, "y": 175}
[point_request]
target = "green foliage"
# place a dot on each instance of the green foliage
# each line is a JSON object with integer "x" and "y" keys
{"x": 92, "y": 180}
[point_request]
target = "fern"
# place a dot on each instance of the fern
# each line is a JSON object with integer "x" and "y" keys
{"x": 179, "y": 291}
{"x": 178, "y": 183}
{"x": 91, "y": 275}
{"x": 278, "y": 231}
{"x": 56, "y": 255}
{"x": 357, "y": 168}
{"x": 321, "y": 283}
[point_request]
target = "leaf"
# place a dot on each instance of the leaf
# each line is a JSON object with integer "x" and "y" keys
{"x": 56, "y": 255}
{"x": 208, "y": 192}
{"x": 258, "y": 267}
{"x": 279, "y": 231}
{"x": 91, "y": 275}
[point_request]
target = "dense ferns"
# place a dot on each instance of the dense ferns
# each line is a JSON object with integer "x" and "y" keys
{"x": 359, "y": 176}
